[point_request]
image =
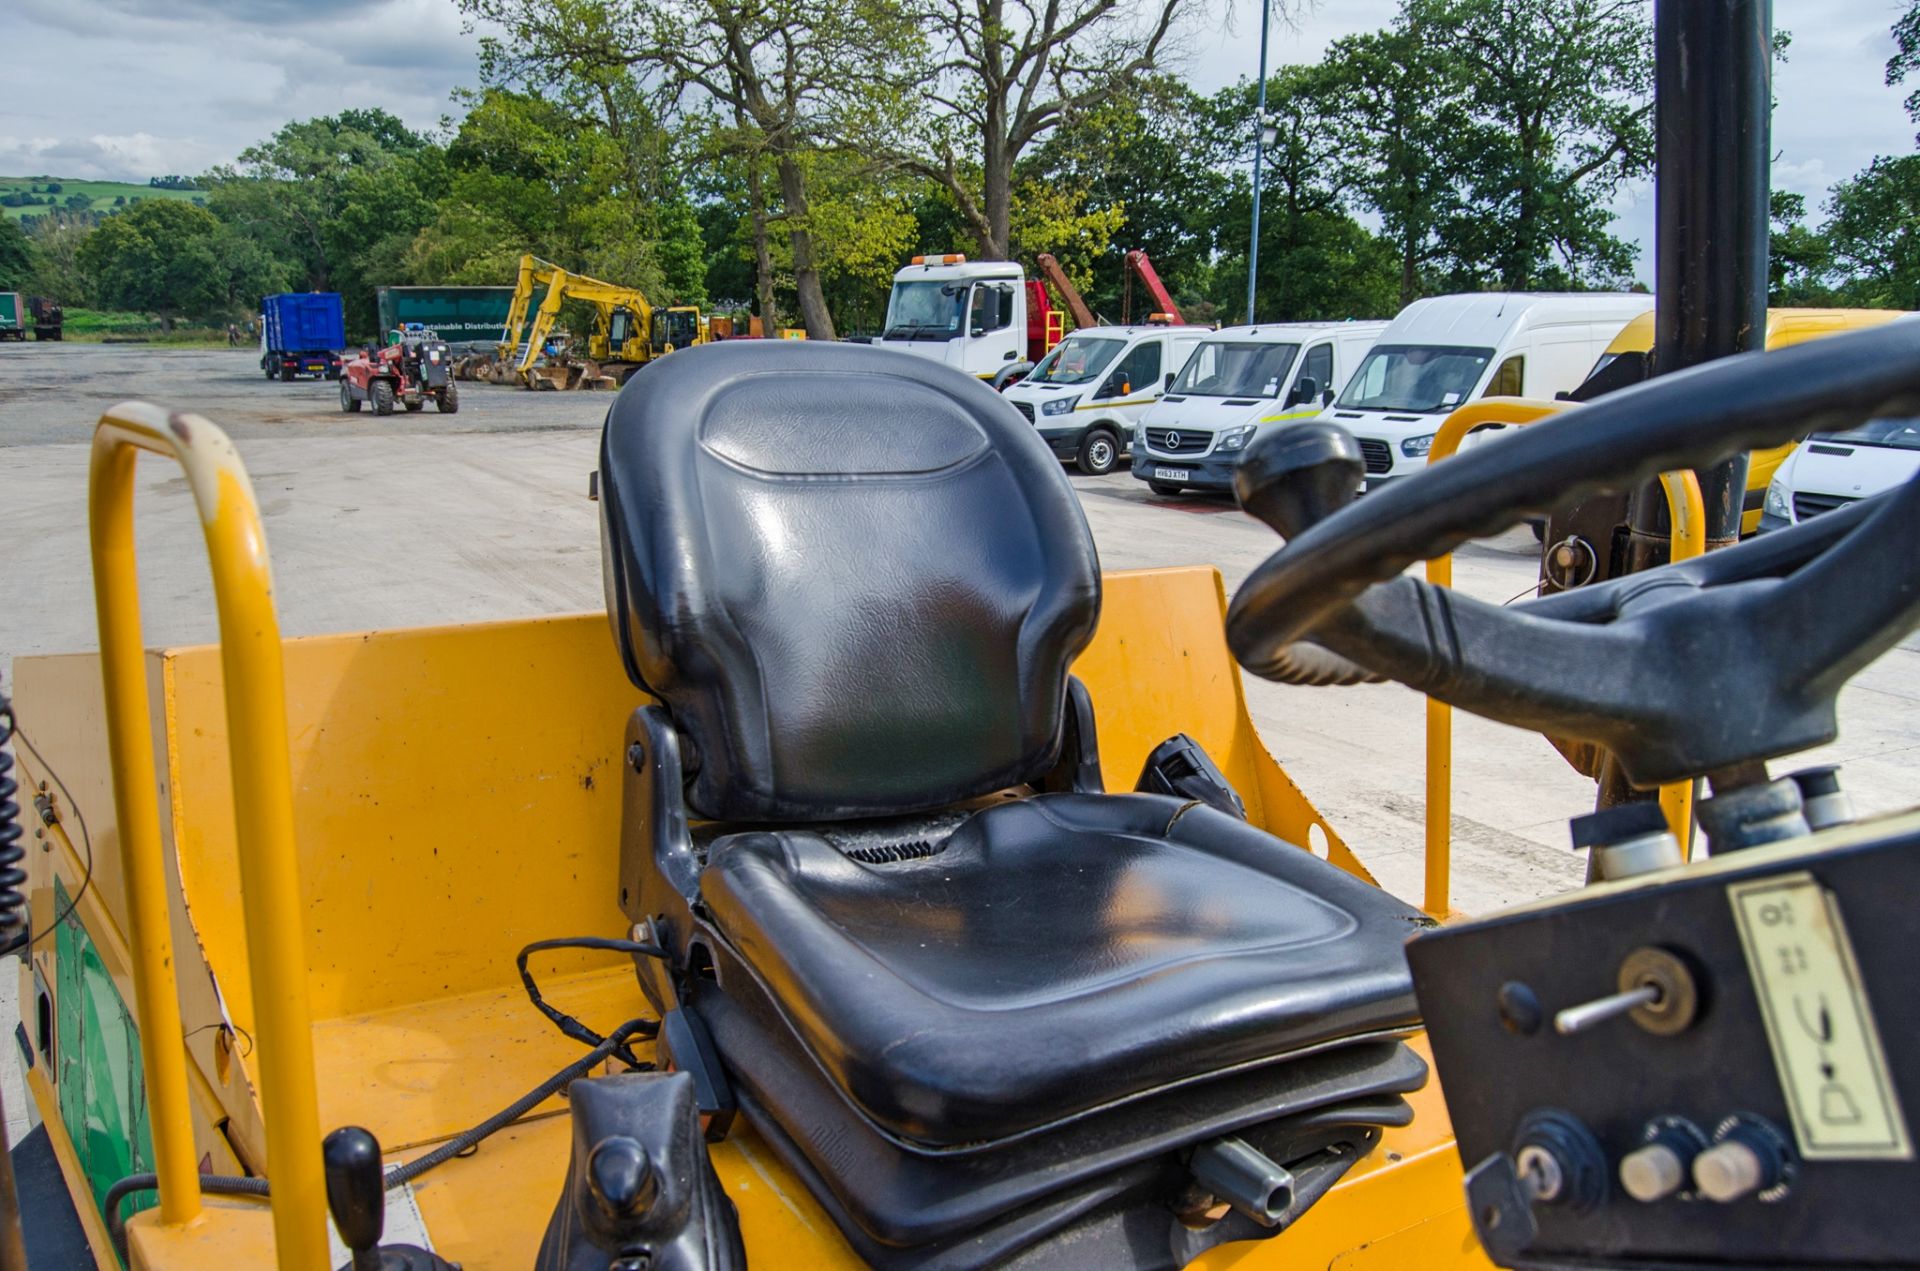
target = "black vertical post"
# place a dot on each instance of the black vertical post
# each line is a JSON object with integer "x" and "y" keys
{"x": 1713, "y": 99}
{"x": 1713, "y": 103}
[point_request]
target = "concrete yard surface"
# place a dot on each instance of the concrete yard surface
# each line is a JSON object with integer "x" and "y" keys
{"x": 422, "y": 518}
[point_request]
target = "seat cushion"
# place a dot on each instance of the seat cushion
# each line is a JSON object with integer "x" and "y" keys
{"x": 1055, "y": 955}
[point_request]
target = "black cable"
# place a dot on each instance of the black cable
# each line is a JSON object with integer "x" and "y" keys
{"x": 13, "y": 879}
{"x": 613, "y": 1045}
{"x": 210, "y": 1185}
{"x": 566, "y": 1023}
{"x": 19, "y": 944}
{"x": 227, "y": 1185}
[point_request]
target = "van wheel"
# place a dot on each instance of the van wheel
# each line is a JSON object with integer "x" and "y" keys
{"x": 1099, "y": 451}
{"x": 1165, "y": 489}
{"x": 382, "y": 393}
{"x": 348, "y": 402}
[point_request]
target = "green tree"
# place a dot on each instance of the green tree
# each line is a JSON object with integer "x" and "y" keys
{"x": 1316, "y": 260}
{"x": 1147, "y": 153}
{"x": 1873, "y": 228}
{"x": 1799, "y": 258}
{"x": 16, "y": 255}
{"x": 56, "y": 240}
{"x": 1403, "y": 115}
{"x": 1002, "y": 76}
{"x": 1560, "y": 96}
{"x": 174, "y": 260}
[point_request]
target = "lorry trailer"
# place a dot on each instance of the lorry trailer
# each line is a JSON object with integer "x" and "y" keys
{"x": 302, "y": 333}
{"x": 467, "y": 318}
{"x": 14, "y": 318}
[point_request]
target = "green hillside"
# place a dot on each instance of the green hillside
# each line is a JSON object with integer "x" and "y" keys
{"x": 99, "y": 194}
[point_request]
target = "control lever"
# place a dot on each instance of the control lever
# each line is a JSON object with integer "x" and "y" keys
{"x": 1295, "y": 477}
{"x": 357, "y": 1199}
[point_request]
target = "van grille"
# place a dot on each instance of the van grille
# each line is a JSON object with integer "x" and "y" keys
{"x": 1806, "y": 505}
{"x": 1179, "y": 441}
{"x": 1379, "y": 458}
{"x": 1025, "y": 408}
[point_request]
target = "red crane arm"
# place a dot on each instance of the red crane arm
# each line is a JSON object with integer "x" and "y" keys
{"x": 1163, "y": 303}
{"x": 1050, "y": 268}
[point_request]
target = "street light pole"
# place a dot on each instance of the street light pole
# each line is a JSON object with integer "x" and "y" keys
{"x": 1259, "y": 147}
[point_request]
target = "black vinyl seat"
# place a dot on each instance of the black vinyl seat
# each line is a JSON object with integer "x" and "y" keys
{"x": 973, "y": 1000}
{"x": 1057, "y": 954}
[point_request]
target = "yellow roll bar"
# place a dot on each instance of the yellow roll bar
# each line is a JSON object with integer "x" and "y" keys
{"x": 255, "y": 691}
{"x": 1689, "y": 518}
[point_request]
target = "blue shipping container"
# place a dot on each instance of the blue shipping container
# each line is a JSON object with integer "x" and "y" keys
{"x": 304, "y": 322}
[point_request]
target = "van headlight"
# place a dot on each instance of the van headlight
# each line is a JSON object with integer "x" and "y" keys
{"x": 1059, "y": 405}
{"x": 1234, "y": 438}
{"x": 1777, "y": 503}
{"x": 1415, "y": 447}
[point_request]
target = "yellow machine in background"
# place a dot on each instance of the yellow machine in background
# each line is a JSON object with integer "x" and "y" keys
{"x": 1784, "y": 327}
{"x": 628, "y": 330}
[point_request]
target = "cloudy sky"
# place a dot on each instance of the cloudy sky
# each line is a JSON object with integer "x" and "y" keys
{"x": 128, "y": 89}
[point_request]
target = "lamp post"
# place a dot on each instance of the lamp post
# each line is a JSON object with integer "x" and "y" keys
{"x": 1262, "y": 138}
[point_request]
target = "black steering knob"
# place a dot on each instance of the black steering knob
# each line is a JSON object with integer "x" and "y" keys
{"x": 621, "y": 1178}
{"x": 1298, "y": 476}
{"x": 356, "y": 1191}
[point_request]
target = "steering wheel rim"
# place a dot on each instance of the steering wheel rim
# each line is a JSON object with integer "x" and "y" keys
{"x": 1339, "y": 582}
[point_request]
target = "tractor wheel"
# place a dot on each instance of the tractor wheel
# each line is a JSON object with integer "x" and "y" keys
{"x": 348, "y": 402}
{"x": 1165, "y": 489}
{"x": 1099, "y": 451}
{"x": 449, "y": 400}
{"x": 382, "y": 393}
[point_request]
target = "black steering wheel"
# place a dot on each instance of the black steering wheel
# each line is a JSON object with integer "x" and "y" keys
{"x": 1679, "y": 671}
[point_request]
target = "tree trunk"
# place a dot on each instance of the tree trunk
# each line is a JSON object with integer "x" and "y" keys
{"x": 806, "y": 278}
{"x": 767, "y": 307}
{"x": 997, "y": 182}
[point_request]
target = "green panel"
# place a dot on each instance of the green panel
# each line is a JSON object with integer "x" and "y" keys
{"x": 103, "y": 1101}
{"x": 11, "y": 309}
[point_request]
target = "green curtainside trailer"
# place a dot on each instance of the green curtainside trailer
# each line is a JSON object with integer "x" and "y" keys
{"x": 458, "y": 315}
{"x": 14, "y": 318}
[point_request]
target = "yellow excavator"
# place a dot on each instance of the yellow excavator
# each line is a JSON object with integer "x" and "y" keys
{"x": 628, "y": 330}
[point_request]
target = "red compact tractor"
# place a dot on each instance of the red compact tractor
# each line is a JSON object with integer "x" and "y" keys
{"x": 413, "y": 368}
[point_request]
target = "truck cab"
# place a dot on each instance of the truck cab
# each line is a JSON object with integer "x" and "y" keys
{"x": 1087, "y": 394}
{"x": 1444, "y": 351}
{"x": 971, "y": 315}
{"x": 1238, "y": 383}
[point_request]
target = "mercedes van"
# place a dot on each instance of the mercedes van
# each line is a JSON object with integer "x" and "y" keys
{"x": 1447, "y": 350}
{"x": 1085, "y": 396}
{"x": 1240, "y": 382}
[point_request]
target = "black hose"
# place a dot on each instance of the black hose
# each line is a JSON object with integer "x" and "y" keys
{"x": 210, "y": 1185}
{"x": 13, "y": 879}
{"x": 225, "y": 1185}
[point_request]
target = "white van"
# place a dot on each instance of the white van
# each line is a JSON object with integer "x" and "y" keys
{"x": 1239, "y": 382}
{"x": 1088, "y": 392}
{"x": 1447, "y": 350}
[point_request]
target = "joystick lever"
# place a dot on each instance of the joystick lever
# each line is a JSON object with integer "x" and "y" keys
{"x": 1297, "y": 476}
{"x": 357, "y": 1199}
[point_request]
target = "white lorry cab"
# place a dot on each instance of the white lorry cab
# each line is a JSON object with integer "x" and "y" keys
{"x": 971, "y": 315}
{"x": 1240, "y": 382}
{"x": 1086, "y": 395}
{"x": 1447, "y": 350}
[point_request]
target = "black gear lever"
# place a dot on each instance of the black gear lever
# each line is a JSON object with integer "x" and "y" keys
{"x": 1298, "y": 476}
{"x": 1293, "y": 478}
{"x": 357, "y": 1199}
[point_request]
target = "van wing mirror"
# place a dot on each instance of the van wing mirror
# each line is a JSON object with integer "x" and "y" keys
{"x": 1305, "y": 389}
{"x": 1166, "y": 381}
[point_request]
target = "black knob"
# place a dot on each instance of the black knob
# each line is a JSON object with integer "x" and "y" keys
{"x": 1299, "y": 475}
{"x": 621, "y": 1177}
{"x": 356, "y": 1190}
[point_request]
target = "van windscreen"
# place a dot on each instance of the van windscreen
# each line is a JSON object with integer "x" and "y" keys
{"x": 1239, "y": 368}
{"x": 1075, "y": 360}
{"x": 1419, "y": 378}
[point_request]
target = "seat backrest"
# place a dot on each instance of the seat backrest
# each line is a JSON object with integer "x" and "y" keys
{"x": 855, "y": 577}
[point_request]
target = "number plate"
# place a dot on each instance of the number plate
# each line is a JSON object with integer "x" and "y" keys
{"x": 1171, "y": 474}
